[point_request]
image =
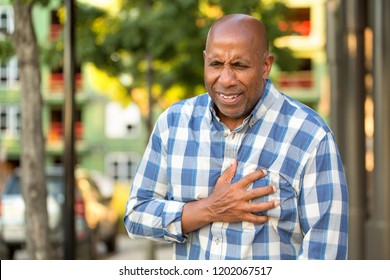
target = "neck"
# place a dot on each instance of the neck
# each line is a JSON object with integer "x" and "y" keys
{"x": 231, "y": 123}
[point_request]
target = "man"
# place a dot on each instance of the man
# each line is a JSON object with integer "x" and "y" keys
{"x": 243, "y": 172}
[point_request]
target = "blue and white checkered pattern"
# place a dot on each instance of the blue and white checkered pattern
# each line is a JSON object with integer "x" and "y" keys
{"x": 189, "y": 149}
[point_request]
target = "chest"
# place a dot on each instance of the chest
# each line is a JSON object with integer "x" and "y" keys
{"x": 196, "y": 162}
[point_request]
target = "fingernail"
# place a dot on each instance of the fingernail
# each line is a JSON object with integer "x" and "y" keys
{"x": 264, "y": 172}
{"x": 274, "y": 189}
{"x": 276, "y": 202}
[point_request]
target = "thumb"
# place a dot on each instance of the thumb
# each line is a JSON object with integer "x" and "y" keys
{"x": 229, "y": 173}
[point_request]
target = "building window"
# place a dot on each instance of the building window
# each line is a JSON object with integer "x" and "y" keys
{"x": 9, "y": 121}
{"x": 3, "y": 20}
{"x": 121, "y": 166}
{"x": 56, "y": 77}
{"x": 56, "y": 80}
{"x": 6, "y": 18}
{"x": 55, "y": 27}
{"x": 122, "y": 122}
{"x": 8, "y": 71}
{"x": 56, "y": 131}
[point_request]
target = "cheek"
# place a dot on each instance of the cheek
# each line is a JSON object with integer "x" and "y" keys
{"x": 210, "y": 77}
{"x": 253, "y": 82}
{"x": 208, "y": 84}
{"x": 255, "y": 90}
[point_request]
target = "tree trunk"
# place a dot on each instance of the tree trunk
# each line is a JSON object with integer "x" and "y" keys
{"x": 32, "y": 142}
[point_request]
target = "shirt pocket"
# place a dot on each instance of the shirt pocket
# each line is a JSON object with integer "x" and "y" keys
{"x": 285, "y": 215}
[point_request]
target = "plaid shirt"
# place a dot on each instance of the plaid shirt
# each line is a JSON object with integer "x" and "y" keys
{"x": 190, "y": 148}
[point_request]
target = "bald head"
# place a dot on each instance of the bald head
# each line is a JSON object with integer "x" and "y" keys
{"x": 237, "y": 25}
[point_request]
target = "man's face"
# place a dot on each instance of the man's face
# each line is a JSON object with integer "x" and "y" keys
{"x": 235, "y": 71}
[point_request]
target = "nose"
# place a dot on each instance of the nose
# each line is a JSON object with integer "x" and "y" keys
{"x": 227, "y": 77}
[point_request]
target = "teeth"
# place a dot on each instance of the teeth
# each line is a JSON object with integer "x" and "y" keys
{"x": 228, "y": 97}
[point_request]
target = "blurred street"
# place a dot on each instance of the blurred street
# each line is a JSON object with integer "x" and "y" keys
{"x": 127, "y": 249}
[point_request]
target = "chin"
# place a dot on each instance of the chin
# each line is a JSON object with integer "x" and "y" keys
{"x": 233, "y": 115}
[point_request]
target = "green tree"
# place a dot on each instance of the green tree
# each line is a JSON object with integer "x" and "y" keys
{"x": 157, "y": 45}
{"x": 32, "y": 157}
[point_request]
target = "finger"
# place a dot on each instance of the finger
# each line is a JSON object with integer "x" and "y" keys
{"x": 264, "y": 206}
{"x": 256, "y": 219}
{"x": 248, "y": 179}
{"x": 229, "y": 173}
{"x": 259, "y": 192}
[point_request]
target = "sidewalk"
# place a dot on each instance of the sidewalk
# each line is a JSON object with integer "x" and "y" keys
{"x": 127, "y": 249}
{"x": 139, "y": 249}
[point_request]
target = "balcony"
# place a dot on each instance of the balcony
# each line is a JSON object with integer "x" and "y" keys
{"x": 298, "y": 79}
{"x": 56, "y": 82}
{"x": 56, "y": 133}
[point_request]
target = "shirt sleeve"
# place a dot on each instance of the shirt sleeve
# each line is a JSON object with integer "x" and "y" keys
{"x": 149, "y": 214}
{"x": 323, "y": 204}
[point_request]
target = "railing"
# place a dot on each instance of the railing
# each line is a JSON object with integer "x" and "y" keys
{"x": 300, "y": 79}
{"x": 56, "y": 131}
{"x": 56, "y": 82}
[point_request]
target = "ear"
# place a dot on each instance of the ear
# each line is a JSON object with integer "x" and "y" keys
{"x": 268, "y": 61}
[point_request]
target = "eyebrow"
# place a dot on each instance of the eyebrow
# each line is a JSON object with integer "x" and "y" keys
{"x": 234, "y": 62}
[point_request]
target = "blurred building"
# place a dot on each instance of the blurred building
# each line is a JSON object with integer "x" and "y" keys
{"x": 109, "y": 138}
{"x": 308, "y": 83}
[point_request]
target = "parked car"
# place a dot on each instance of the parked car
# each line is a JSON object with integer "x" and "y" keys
{"x": 95, "y": 220}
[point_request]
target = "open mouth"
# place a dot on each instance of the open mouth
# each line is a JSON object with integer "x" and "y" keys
{"x": 231, "y": 98}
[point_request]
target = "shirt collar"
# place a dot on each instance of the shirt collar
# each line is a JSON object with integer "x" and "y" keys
{"x": 262, "y": 106}
{"x": 265, "y": 103}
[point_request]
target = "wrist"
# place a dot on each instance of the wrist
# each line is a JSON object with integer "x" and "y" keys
{"x": 196, "y": 214}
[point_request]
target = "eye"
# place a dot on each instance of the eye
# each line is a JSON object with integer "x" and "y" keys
{"x": 240, "y": 65}
{"x": 215, "y": 64}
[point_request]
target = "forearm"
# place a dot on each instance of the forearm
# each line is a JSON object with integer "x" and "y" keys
{"x": 195, "y": 215}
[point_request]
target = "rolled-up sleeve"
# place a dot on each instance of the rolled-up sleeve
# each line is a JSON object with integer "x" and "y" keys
{"x": 149, "y": 213}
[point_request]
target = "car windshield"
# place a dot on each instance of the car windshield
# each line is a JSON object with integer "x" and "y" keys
{"x": 12, "y": 185}
{"x": 54, "y": 185}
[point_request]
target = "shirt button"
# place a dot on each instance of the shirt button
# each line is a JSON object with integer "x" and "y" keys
{"x": 217, "y": 241}
{"x": 226, "y": 134}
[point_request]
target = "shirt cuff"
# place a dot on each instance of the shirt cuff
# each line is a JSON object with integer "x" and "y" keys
{"x": 172, "y": 222}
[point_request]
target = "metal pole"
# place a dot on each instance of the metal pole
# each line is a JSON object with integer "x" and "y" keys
{"x": 355, "y": 92}
{"x": 345, "y": 48}
{"x": 334, "y": 56}
{"x": 378, "y": 226}
{"x": 69, "y": 158}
